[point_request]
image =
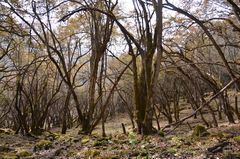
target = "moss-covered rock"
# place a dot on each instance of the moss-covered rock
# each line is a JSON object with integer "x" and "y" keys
{"x": 90, "y": 153}
{"x": 85, "y": 140}
{"x": 101, "y": 142}
{"x": 51, "y": 136}
{"x": 6, "y": 131}
{"x": 55, "y": 136}
{"x": 23, "y": 153}
{"x": 65, "y": 137}
{"x": 43, "y": 145}
{"x": 200, "y": 131}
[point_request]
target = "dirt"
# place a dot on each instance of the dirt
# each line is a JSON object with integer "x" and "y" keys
{"x": 178, "y": 145}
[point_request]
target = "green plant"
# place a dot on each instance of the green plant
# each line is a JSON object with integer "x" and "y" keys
{"x": 236, "y": 138}
{"x": 132, "y": 138}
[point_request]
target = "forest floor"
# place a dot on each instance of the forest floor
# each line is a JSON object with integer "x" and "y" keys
{"x": 222, "y": 142}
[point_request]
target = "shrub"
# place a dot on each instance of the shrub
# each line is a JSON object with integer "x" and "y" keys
{"x": 200, "y": 131}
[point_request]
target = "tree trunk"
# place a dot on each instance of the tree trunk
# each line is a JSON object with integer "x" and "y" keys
{"x": 227, "y": 108}
{"x": 148, "y": 118}
{"x": 65, "y": 111}
{"x": 86, "y": 126}
{"x": 236, "y": 107}
{"x": 20, "y": 115}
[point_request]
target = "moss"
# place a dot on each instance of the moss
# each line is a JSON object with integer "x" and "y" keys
{"x": 110, "y": 157}
{"x": 161, "y": 133}
{"x": 91, "y": 153}
{"x": 85, "y": 140}
{"x": 200, "y": 131}
{"x": 43, "y": 145}
{"x": 222, "y": 135}
{"x": 228, "y": 135}
{"x": 71, "y": 153}
{"x": 10, "y": 156}
{"x": 101, "y": 142}
{"x": 237, "y": 139}
{"x": 6, "y": 131}
{"x": 55, "y": 136}
{"x": 23, "y": 153}
{"x": 52, "y": 136}
{"x": 65, "y": 137}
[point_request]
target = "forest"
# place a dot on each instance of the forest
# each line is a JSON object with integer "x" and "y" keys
{"x": 113, "y": 79}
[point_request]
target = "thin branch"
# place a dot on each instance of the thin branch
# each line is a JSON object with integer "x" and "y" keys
{"x": 177, "y": 124}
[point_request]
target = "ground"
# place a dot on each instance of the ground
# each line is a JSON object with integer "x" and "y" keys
{"x": 180, "y": 144}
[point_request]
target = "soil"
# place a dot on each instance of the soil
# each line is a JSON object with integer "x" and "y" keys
{"x": 178, "y": 145}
